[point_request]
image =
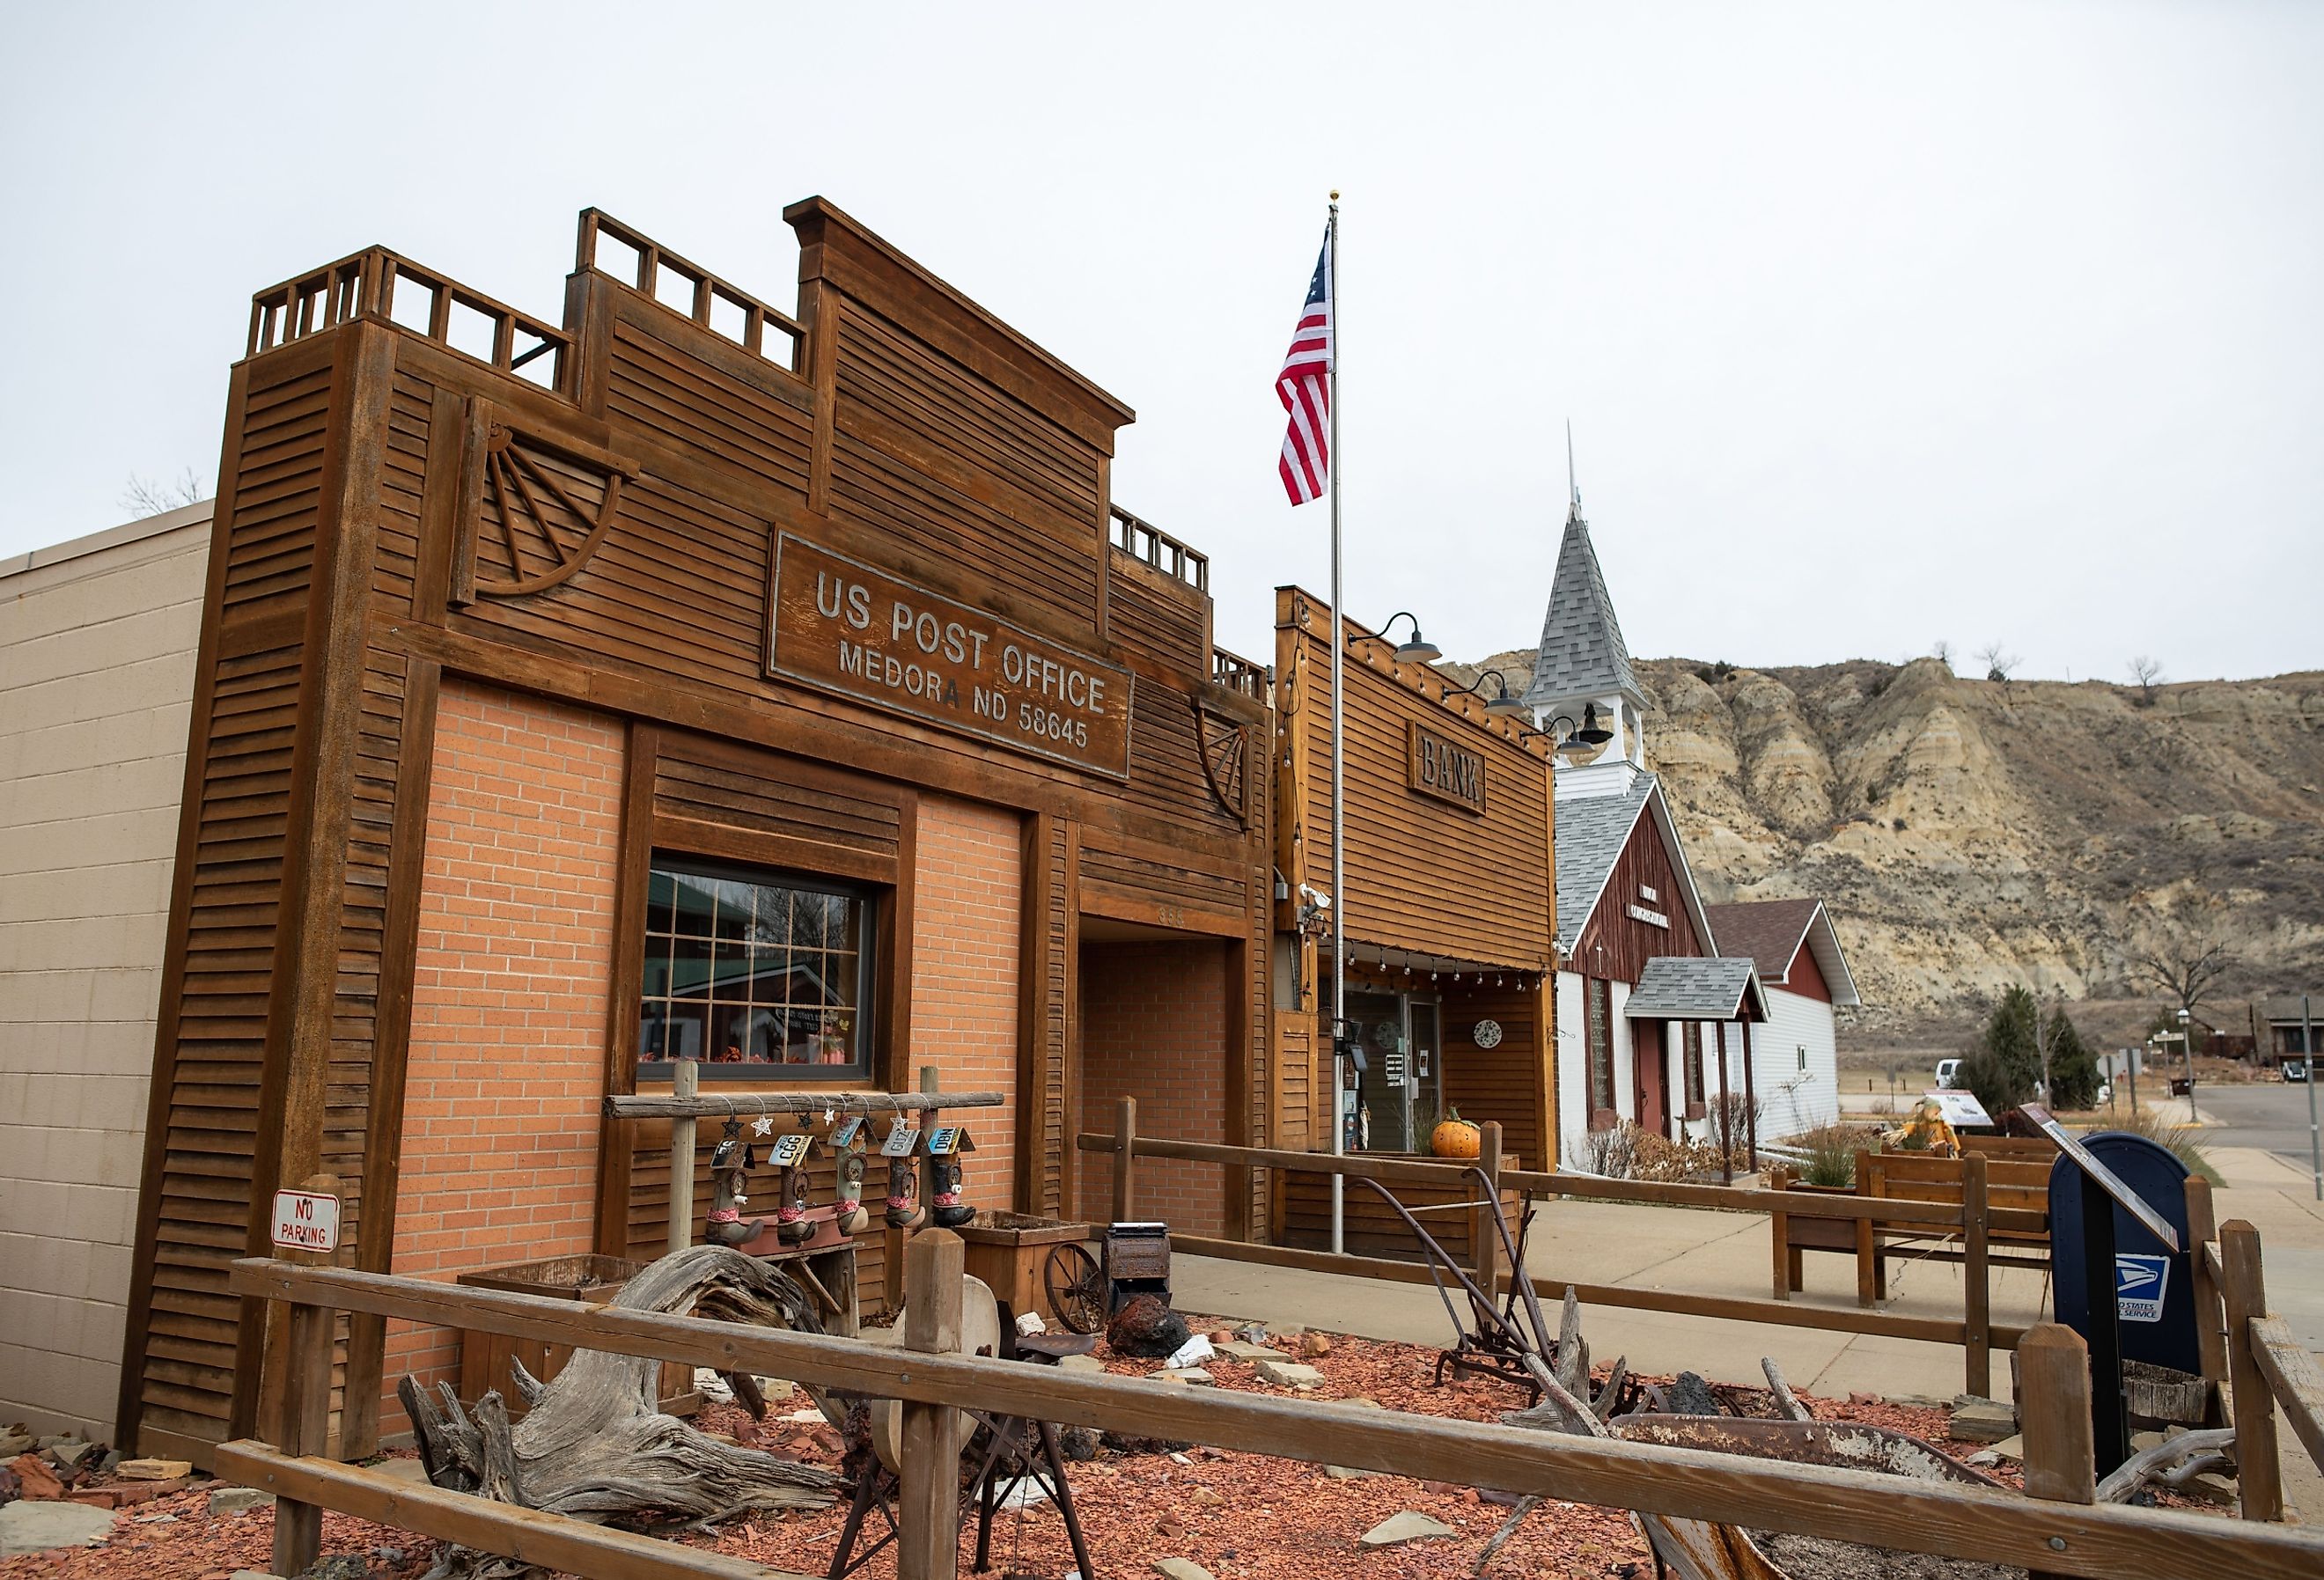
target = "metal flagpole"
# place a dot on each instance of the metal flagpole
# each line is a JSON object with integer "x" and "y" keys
{"x": 1338, "y": 782}
{"x": 2308, "y": 1056}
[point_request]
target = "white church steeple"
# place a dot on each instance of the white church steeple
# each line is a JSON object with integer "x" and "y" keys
{"x": 1583, "y": 666}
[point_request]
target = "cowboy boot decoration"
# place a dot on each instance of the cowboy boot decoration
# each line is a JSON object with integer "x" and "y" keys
{"x": 946, "y": 1144}
{"x": 902, "y": 1142}
{"x": 846, "y": 1141}
{"x": 790, "y": 1153}
{"x": 729, "y": 1167}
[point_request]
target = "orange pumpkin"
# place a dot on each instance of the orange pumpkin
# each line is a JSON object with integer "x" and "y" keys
{"x": 1455, "y": 1138}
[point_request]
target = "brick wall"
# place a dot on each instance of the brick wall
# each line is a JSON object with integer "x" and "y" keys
{"x": 965, "y": 942}
{"x": 508, "y": 1016}
{"x": 1153, "y": 1027}
{"x": 97, "y": 640}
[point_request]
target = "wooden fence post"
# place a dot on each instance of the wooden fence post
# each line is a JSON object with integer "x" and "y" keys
{"x": 2054, "y": 1410}
{"x": 1779, "y": 1232}
{"x": 1868, "y": 1242}
{"x": 1125, "y": 1159}
{"x": 685, "y": 1081}
{"x": 1485, "y": 1240}
{"x": 927, "y": 1543}
{"x": 1977, "y": 1287}
{"x": 2258, "y": 1472}
{"x": 2210, "y": 1323}
{"x": 306, "y": 1406}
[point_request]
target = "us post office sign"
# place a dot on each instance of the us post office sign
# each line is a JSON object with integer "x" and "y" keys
{"x": 840, "y": 625}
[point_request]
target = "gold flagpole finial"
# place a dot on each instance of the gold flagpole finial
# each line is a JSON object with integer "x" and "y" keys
{"x": 1336, "y": 194}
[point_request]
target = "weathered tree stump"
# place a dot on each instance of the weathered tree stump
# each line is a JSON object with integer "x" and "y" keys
{"x": 596, "y": 1445}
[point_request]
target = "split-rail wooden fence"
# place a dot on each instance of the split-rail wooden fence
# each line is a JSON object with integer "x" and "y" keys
{"x": 2060, "y": 1537}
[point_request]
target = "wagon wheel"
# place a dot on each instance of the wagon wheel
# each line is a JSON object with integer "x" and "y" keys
{"x": 1076, "y": 1286}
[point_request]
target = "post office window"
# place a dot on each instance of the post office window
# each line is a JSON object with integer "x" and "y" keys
{"x": 760, "y": 974}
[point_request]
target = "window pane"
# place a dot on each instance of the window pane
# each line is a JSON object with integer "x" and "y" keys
{"x": 747, "y": 970}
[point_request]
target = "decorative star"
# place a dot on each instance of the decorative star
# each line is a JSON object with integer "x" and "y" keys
{"x": 764, "y": 1126}
{"x": 830, "y": 1114}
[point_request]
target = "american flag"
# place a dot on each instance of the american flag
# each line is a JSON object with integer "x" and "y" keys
{"x": 1304, "y": 388}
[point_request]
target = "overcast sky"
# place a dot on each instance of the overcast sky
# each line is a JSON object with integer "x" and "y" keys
{"x": 1878, "y": 325}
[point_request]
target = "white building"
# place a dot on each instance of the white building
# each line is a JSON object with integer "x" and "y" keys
{"x": 1807, "y": 978}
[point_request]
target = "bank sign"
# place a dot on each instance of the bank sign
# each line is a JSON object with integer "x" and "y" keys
{"x": 842, "y": 626}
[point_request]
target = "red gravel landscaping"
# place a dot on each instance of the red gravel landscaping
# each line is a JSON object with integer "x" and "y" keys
{"x": 1242, "y": 1517}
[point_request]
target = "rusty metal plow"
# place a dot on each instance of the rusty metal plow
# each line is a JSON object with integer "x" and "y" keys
{"x": 1499, "y": 1332}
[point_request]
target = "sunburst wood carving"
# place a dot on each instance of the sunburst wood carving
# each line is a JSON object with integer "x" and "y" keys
{"x": 1225, "y": 752}
{"x": 534, "y": 508}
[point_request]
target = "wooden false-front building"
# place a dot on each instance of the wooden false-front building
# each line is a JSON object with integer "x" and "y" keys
{"x": 688, "y": 677}
{"x": 1449, "y": 913}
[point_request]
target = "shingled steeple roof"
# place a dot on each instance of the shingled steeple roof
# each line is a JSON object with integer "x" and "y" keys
{"x": 1582, "y": 653}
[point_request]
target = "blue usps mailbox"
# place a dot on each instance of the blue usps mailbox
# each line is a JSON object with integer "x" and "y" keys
{"x": 2118, "y": 1224}
{"x": 2153, "y": 1283}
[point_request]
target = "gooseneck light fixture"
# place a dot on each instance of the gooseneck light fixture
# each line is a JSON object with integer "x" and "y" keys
{"x": 1419, "y": 649}
{"x": 1502, "y": 703}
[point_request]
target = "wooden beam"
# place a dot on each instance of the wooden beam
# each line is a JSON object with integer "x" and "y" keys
{"x": 550, "y": 1541}
{"x": 1880, "y": 1324}
{"x": 2053, "y": 1386}
{"x": 2258, "y": 1472}
{"x": 1977, "y": 1289}
{"x": 720, "y": 1105}
{"x": 2292, "y": 1376}
{"x": 928, "y": 1537}
{"x": 1125, "y": 1159}
{"x": 1971, "y": 1522}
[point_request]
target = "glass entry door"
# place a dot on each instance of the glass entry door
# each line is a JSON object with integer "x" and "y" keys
{"x": 1397, "y": 1090}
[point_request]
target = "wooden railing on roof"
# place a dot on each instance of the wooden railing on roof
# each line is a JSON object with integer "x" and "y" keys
{"x": 387, "y": 285}
{"x": 1143, "y": 541}
{"x": 1237, "y": 673}
{"x": 723, "y": 308}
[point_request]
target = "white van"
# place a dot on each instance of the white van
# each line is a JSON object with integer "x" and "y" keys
{"x": 1948, "y": 1071}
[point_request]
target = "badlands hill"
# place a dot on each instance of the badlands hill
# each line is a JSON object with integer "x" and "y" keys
{"x": 1971, "y": 833}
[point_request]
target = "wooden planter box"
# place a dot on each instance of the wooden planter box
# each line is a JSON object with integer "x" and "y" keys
{"x": 1008, "y": 1250}
{"x": 485, "y": 1357}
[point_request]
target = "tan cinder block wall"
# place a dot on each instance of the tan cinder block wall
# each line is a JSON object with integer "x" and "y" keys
{"x": 97, "y": 640}
{"x": 965, "y": 942}
{"x": 507, "y": 1067}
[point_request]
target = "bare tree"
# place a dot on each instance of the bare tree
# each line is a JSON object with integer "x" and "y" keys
{"x": 2145, "y": 673}
{"x": 145, "y": 497}
{"x": 1997, "y": 661}
{"x": 2183, "y": 962}
{"x": 1944, "y": 652}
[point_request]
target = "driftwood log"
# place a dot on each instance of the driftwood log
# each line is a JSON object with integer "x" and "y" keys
{"x": 595, "y": 1444}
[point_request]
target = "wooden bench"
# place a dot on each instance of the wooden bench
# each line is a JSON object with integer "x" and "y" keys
{"x": 2017, "y": 1223}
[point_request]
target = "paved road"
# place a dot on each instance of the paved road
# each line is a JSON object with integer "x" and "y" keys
{"x": 2270, "y": 1114}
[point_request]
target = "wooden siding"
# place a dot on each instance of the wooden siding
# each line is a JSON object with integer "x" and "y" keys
{"x": 1510, "y": 1083}
{"x": 1614, "y": 945}
{"x": 1421, "y": 875}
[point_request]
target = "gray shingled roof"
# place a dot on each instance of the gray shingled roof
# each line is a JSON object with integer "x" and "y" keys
{"x": 1591, "y": 833}
{"x": 1582, "y": 650}
{"x": 1676, "y": 987}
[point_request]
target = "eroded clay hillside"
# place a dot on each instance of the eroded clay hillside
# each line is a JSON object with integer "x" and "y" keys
{"x": 1970, "y": 833}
